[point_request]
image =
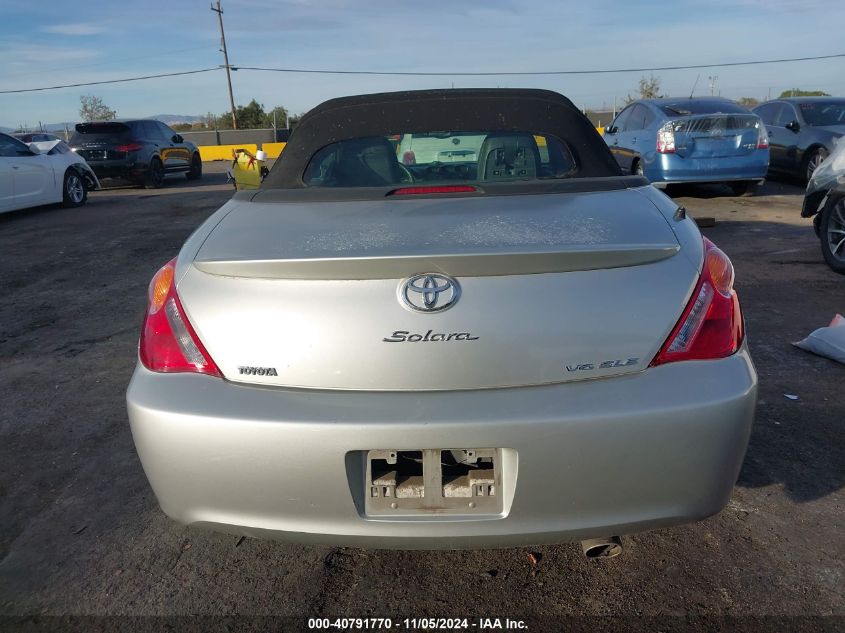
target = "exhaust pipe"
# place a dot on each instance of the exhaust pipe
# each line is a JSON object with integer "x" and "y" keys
{"x": 606, "y": 547}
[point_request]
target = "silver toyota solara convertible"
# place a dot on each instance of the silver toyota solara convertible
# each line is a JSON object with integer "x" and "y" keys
{"x": 444, "y": 320}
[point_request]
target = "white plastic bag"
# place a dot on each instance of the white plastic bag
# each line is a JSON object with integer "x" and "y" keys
{"x": 827, "y": 341}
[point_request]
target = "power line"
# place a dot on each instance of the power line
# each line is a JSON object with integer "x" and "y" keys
{"x": 599, "y": 71}
{"x": 111, "y": 81}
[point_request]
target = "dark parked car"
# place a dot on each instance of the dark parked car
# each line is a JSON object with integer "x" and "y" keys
{"x": 142, "y": 151}
{"x": 690, "y": 140}
{"x": 36, "y": 137}
{"x": 824, "y": 201}
{"x": 802, "y": 132}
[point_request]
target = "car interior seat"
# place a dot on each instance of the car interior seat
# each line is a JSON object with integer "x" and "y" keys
{"x": 508, "y": 156}
{"x": 366, "y": 162}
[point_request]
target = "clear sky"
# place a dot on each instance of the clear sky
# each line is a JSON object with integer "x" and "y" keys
{"x": 50, "y": 42}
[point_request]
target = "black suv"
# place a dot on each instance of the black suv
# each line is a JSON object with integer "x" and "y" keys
{"x": 142, "y": 151}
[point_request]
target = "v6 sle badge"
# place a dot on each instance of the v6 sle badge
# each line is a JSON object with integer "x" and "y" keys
{"x": 607, "y": 364}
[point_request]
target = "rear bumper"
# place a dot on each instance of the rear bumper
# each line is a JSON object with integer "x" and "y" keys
{"x": 671, "y": 168}
{"x": 593, "y": 458}
{"x": 118, "y": 168}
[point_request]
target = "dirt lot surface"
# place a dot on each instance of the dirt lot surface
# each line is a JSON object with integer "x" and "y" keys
{"x": 81, "y": 533}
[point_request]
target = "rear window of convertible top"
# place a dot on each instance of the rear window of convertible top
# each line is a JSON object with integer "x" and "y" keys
{"x": 449, "y": 157}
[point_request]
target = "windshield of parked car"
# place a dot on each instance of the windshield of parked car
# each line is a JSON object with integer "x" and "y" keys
{"x": 450, "y": 157}
{"x": 820, "y": 113}
{"x": 686, "y": 107}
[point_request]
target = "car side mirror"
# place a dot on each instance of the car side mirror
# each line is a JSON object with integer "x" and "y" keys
{"x": 793, "y": 126}
{"x": 610, "y": 129}
{"x": 177, "y": 138}
{"x": 34, "y": 148}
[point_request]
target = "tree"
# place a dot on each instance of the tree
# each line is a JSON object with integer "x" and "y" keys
{"x": 281, "y": 116}
{"x": 223, "y": 122}
{"x": 182, "y": 127}
{"x": 92, "y": 108}
{"x": 795, "y": 92}
{"x": 209, "y": 120}
{"x": 648, "y": 88}
{"x": 250, "y": 116}
{"x": 748, "y": 102}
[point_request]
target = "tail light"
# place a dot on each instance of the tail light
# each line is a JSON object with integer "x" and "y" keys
{"x": 168, "y": 342}
{"x": 762, "y": 137}
{"x": 129, "y": 147}
{"x": 666, "y": 139}
{"x": 711, "y": 325}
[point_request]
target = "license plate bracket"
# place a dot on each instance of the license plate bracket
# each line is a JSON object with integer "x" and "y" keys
{"x": 433, "y": 482}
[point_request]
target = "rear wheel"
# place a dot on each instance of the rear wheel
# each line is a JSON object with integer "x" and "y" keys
{"x": 745, "y": 188}
{"x": 195, "y": 172}
{"x": 74, "y": 191}
{"x": 833, "y": 234}
{"x": 815, "y": 159}
{"x": 155, "y": 175}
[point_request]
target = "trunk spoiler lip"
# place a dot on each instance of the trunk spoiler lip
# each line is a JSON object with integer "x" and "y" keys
{"x": 485, "y": 264}
{"x": 579, "y": 185}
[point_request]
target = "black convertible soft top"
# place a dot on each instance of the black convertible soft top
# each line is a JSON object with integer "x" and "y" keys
{"x": 540, "y": 112}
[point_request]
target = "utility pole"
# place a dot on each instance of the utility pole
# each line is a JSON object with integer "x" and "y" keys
{"x": 219, "y": 13}
{"x": 713, "y": 82}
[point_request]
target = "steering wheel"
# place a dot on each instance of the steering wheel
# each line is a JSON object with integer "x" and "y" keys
{"x": 407, "y": 176}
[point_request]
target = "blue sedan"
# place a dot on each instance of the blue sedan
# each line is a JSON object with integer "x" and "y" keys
{"x": 699, "y": 140}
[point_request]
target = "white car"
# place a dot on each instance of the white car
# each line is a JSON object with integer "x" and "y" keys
{"x": 42, "y": 173}
{"x": 439, "y": 147}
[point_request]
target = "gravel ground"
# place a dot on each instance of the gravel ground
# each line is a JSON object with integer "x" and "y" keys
{"x": 81, "y": 533}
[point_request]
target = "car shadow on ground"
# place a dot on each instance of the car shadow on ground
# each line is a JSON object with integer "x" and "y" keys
{"x": 779, "y": 187}
{"x": 177, "y": 181}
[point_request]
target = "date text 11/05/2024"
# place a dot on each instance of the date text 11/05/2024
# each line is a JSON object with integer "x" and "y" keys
{"x": 417, "y": 624}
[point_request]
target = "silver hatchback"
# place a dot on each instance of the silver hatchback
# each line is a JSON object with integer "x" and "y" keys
{"x": 517, "y": 348}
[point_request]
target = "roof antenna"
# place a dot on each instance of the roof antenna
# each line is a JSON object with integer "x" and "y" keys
{"x": 694, "y": 85}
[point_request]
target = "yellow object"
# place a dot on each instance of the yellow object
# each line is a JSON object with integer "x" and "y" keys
{"x": 600, "y": 130}
{"x": 273, "y": 149}
{"x": 246, "y": 169}
{"x": 224, "y": 152}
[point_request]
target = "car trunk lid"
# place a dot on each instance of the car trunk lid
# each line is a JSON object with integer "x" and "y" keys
{"x": 554, "y": 288}
{"x": 715, "y": 135}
